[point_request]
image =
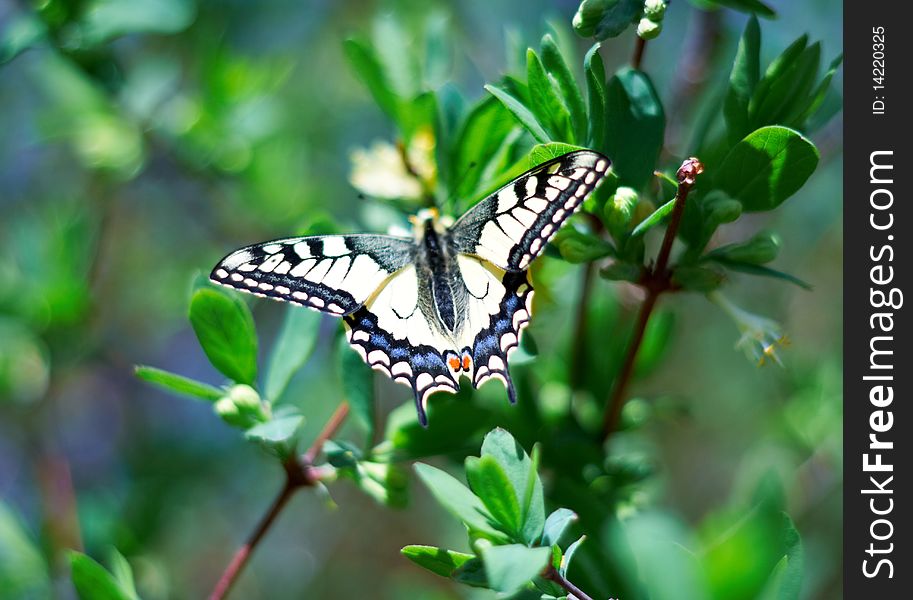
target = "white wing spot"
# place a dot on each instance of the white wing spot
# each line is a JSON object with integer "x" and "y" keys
{"x": 507, "y": 199}
{"x": 590, "y": 177}
{"x": 271, "y": 263}
{"x": 335, "y": 246}
{"x": 303, "y": 267}
{"x": 247, "y": 267}
{"x": 508, "y": 340}
{"x": 531, "y": 184}
{"x": 511, "y": 227}
{"x": 237, "y": 277}
{"x": 281, "y": 289}
{"x": 524, "y": 216}
{"x": 559, "y": 182}
{"x": 318, "y": 302}
{"x": 538, "y": 204}
{"x": 221, "y": 273}
{"x": 600, "y": 165}
{"x": 551, "y": 193}
{"x": 283, "y": 268}
{"x": 302, "y": 249}
{"x": 423, "y": 380}
{"x": 237, "y": 258}
{"x": 272, "y": 248}
{"x": 299, "y": 295}
{"x": 361, "y": 336}
{"x": 319, "y": 272}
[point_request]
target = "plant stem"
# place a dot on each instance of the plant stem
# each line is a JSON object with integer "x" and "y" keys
{"x": 553, "y": 574}
{"x": 638, "y": 52}
{"x": 299, "y": 472}
{"x": 655, "y": 281}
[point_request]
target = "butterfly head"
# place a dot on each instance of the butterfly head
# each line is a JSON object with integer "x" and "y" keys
{"x": 429, "y": 219}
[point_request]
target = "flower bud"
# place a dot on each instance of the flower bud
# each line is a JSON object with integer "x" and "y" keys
{"x": 655, "y": 10}
{"x": 619, "y": 210}
{"x": 590, "y": 14}
{"x": 698, "y": 279}
{"x": 648, "y": 29}
{"x": 760, "y": 249}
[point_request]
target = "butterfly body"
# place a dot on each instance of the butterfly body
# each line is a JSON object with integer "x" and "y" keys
{"x": 450, "y": 302}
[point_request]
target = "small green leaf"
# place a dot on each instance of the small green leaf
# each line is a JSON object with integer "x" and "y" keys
{"x": 471, "y": 573}
{"x": 746, "y": 70}
{"x": 635, "y": 126}
{"x": 596, "y": 96}
{"x": 542, "y": 153}
{"x": 820, "y": 93}
{"x": 762, "y": 248}
{"x": 366, "y": 64}
{"x": 557, "y": 525}
{"x": 767, "y": 167}
{"x": 23, "y": 570}
{"x": 93, "y": 582}
{"x": 292, "y": 349}
{"x": 521, "y": 471}
{"x": 489, "y": 482}
{"x": 122, "y": 572}
{"x": 437, "y": 560}
{"x": 358, "y": 387}
{"x": 545, "y": 102}
{"x": 277, "y": 431}
{"x": 459, "y": 500}
{"x": 178, "y": 383}
{"x": 578, "y": 247}
{"x": 569, "y": 555}
{"x": 654, "y": 219}
{"x": 225, "y": 328}
{"x": 698, "y": 279}
{"x": 556, "y": 66}
{"x": 776, "y": 82}
{"x": 480, "y": 135}
{"x": 761, "y": 270}
{"x": 622, "y": 271}
{"x": 105, "y": 19}
{"x": 512, "y": 566}
{"x": 520, "y": 112}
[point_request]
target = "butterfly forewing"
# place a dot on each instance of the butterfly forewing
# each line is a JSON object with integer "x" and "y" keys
{"x": 334, "y": 273}
{"x": 512, "y": 226}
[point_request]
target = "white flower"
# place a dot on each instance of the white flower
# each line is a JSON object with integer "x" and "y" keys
{"x": 760, "y": 336}
{"x": 388, "y": 172}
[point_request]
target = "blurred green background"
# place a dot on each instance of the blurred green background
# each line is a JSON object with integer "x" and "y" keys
{"x": 137, "y": 149}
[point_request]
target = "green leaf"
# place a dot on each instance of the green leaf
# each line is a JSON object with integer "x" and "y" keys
{"x": 776, "y": 83}
{"x": 788, "y": 93}
{"x": 292, "y": 349}
{"x": 569, "y": 555}
{"x": 480, "y": 136}
{"x": 225, "y": 329}
{"x": 605, "y": 18}
{"x": 489, "y": 482}
{"x": 578, "y": 247}
{"x": 459, "y": 500}
{"x": 746, "y": 70}
{"x": 454, "y": 424}
{"x": 366, "y": 64}
{"x": 698, "y": 279}
{"x": 471, "y": 573}
{"x": 23, "y": 570}
{"x": 277, "y": 431}
{"x": 358, "y": 387}
{"x": 122, "y": 572}
{"x": 105, "y": 19}
{"x": 521, "y": 472}
{"x": 596, "y": 96}
{"x": 556, "y": 66}
{"x": 750, "y": 6}
{"x": 785, "y": 581}
{"x": 820, "y": 93}
{"x": 557, "y": 525}
{"x": 762, "y": 248}
{"x": 437, "y": 560}
{"x": 93, "y": 582}
{"x": 654, "y": 219}
{"x": 520, "y": 112}
{"x": 767, "y": 167}
{"x": 178, "y": 383}
{"x": 635, "y": 126}
{"x": 545, "y": 103}
{"x": 511, "y": 567}
{"x": 761, "y": 270}
{"x": 21, "y": 32}
{"x": 542, "y": 153}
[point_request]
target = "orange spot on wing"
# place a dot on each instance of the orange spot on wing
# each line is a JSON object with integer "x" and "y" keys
{"x": 454, "y": 363}
{"x": 467, "y": 362}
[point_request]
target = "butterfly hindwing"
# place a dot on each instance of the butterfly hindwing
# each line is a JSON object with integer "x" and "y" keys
{"x": 512, "y": 226}
{"x": 332, "y": 273}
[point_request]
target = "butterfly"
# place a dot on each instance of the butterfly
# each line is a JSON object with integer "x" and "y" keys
{"x": 447, "y": 303}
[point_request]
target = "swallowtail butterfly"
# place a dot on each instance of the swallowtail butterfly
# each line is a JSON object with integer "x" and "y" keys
{"x": 449, "y": 302}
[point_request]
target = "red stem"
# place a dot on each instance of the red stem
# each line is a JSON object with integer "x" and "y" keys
{"x": 553, "y": 574}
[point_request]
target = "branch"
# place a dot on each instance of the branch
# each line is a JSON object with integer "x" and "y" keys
{"x": 656, "y": 281}
{"x": 638, "y": 53}
{"x": 552, "y": 574}
{"x": 299, "y": 472}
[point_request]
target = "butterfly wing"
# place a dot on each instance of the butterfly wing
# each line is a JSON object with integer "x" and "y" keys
{"x": 512, "y": 226}
{"x": 499, "y": 308}
{"x": 335, "y": 274}
{"x": 394, "y": 336}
